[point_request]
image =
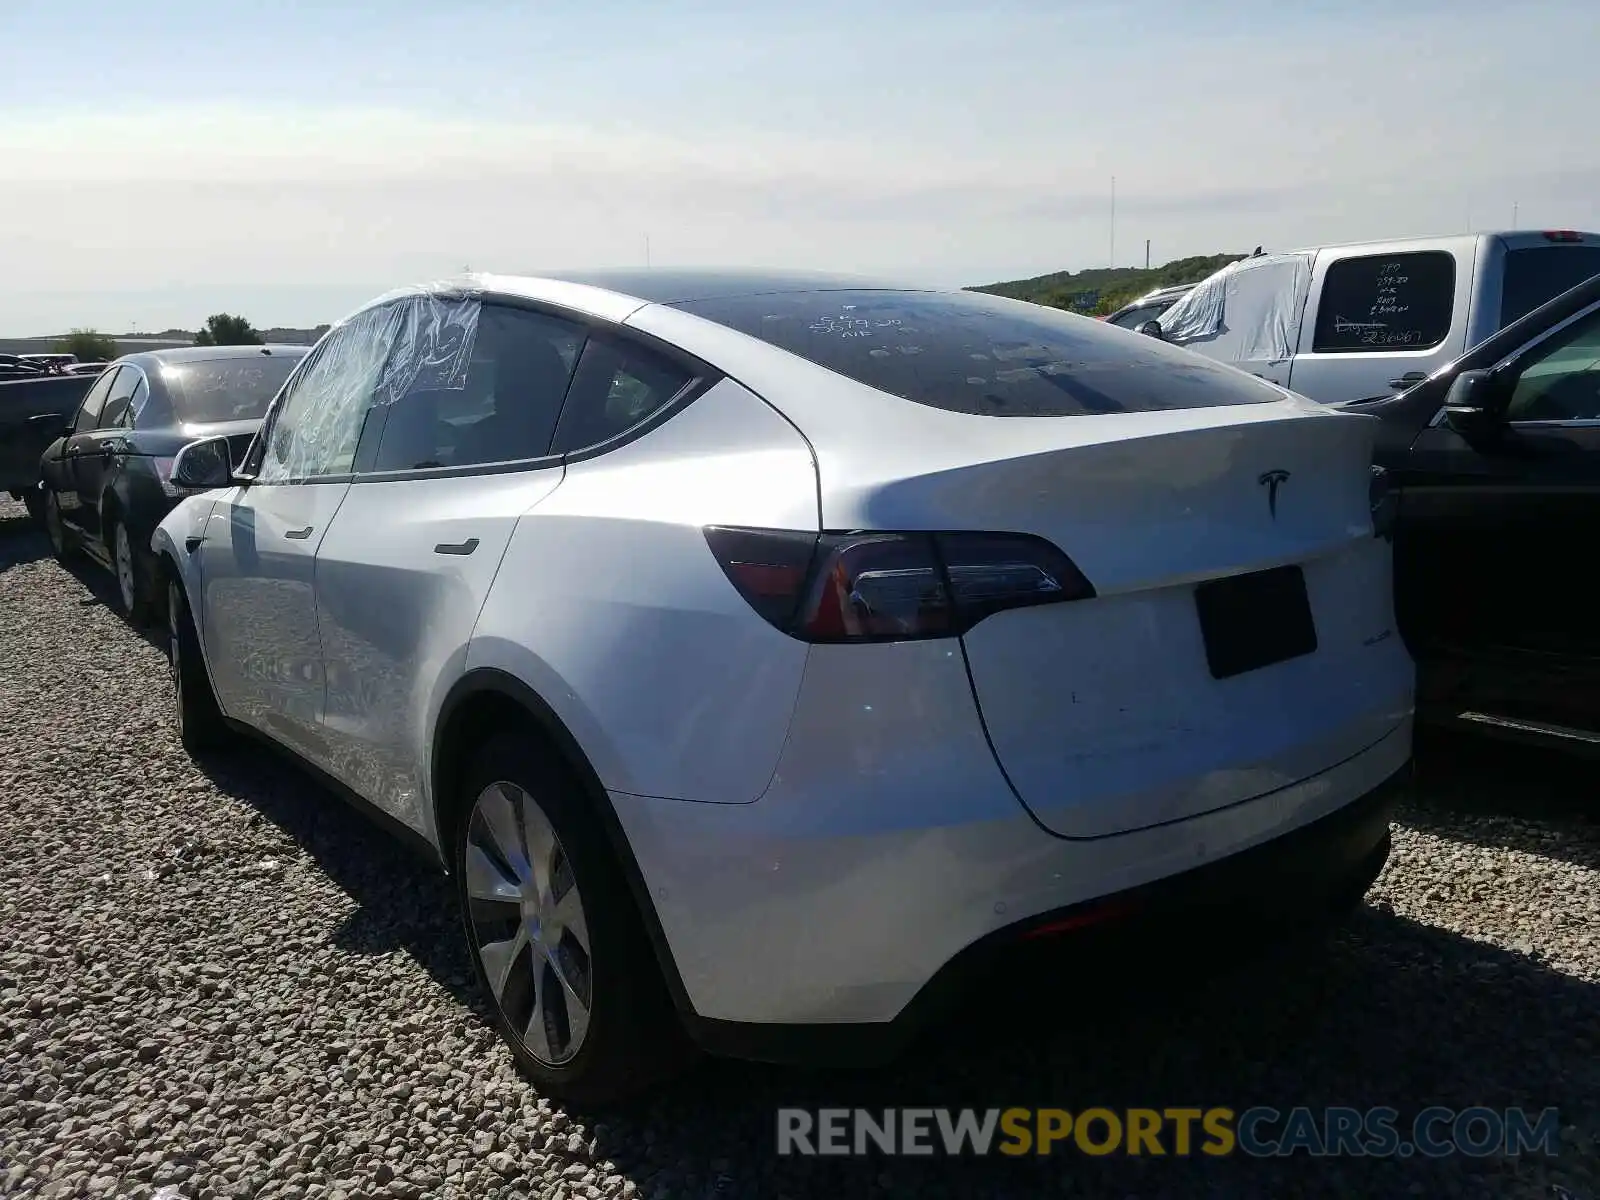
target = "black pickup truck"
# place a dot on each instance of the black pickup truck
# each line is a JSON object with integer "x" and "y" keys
{"x": 34, "y": 413}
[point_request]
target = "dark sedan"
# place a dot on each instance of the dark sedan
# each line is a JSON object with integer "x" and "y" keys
{"x": 106, "y": 480}
{"x": 1495, "y": 465}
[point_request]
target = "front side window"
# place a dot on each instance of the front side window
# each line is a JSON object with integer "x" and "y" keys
{"x": 1560, "y": 379}
{"x": 617, "y": 385}
{"x": 969, "y": 352}
{"x": 500, "y": 406}
{"x": 94, "y": 401}
{"x": 368, "y": 361}
{"x": 1386, "y": 302}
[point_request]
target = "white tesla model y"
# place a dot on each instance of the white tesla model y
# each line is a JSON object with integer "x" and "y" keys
{"x": 765, "y": 654}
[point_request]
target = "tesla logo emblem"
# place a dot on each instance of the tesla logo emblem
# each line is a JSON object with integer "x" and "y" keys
{"x": 1272, "y": 481}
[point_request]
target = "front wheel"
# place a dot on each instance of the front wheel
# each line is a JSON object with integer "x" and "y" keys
{"x": 200, "y": 721}
{"x": 556, "y": 941}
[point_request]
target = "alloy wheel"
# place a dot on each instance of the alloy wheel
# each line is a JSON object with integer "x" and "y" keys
{"x": 124, "y": 557}
{"x": 529, "y": 929}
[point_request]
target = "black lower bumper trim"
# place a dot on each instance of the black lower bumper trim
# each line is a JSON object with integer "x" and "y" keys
{"x": 1310, "y": 873}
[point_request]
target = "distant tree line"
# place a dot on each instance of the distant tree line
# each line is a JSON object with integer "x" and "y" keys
{"x": 1106, "y": 289}
{"x": 220, "y": 329}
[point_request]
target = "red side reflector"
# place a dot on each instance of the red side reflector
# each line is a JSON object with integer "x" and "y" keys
{"x": 1094, "y": 916}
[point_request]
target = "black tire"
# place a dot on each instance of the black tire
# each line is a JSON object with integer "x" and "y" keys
{"x": 200, "y": 721}
{"x": 62, "y": 544}
{"x": 138, "y": 605}
{"x": 34, "y": 503}
{"x": 633, "y": 1039}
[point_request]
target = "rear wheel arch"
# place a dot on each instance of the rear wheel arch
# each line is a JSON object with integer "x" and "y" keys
{"x": 488, "y": 701}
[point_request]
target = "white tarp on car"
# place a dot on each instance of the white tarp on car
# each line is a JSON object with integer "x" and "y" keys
{"x": 1248, "y": 311}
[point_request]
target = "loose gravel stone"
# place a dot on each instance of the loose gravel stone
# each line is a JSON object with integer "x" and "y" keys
{"x": 218, "y": 982}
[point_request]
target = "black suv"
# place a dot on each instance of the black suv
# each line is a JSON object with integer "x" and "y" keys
{"x": 1492, "y": 469}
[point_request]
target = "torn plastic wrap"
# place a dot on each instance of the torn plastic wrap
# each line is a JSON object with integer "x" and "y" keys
{"x": 1248, "y": 311}
{"x": 410, "y": 338}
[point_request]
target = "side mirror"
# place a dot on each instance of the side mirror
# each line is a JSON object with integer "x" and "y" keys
{"x": 1471, "y": 406}
{"x": 203, "y": 465}
{"x": 1150, "y": 329}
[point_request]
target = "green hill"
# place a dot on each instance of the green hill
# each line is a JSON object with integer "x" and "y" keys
{"x": 1106, "y": 289}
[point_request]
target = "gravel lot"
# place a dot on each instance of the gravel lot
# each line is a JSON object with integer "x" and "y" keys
{"x": 222, "y": 982}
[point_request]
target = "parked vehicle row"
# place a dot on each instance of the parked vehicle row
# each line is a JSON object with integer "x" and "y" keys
{"x": 679, "y": 616}
{"x": 1342, "y": 323}
{"x": 106, "y": 475}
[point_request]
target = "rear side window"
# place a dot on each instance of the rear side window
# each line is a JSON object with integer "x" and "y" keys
{"x": 116, "y": 410}
{"x": 1539, "y": 273}
{"x": 225, "y": 389}
{"x": 617, "y": 386}
{"x": 969, "y": 352}
{"x": 1386, "y": 302}
{"x": 504, "y": 410}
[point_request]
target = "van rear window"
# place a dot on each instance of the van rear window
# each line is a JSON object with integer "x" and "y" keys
{"x": 1539, "y": 273}
{"x": 970, "y": 352}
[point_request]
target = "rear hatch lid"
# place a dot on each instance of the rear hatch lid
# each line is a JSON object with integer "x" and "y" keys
{"x": 1156, "y": 471}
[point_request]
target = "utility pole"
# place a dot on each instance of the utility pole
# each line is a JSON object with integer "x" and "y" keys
{"x": 1113, "y": 261}
{"x": 1147, "y": 254}
{"x": 1513, "y": 214}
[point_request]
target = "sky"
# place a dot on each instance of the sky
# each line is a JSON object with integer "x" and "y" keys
{"x": 165, "y": 160}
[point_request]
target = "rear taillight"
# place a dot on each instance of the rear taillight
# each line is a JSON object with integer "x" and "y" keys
{"x": 1562, "y": 235}
{"x": 879, "y": 587}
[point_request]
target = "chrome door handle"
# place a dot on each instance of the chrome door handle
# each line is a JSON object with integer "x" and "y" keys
{"x": 298, "y": 535}
{"x": 466, "y": 547}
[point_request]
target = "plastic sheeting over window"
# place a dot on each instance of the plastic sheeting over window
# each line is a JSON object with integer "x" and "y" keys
{"x": 1247, "y": 312}
{"x": 415, "y": 338}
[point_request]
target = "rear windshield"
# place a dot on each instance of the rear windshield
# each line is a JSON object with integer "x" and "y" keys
{"x": 970, "y": 352}
{"x": 226, "y": 389}
{"x": 1541, "y": 273}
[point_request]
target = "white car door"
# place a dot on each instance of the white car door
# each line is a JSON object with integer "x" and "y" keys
{"x": 1382, "y": 318}
{"x": 258, "y": 554}
{"x": 454, "y": 471}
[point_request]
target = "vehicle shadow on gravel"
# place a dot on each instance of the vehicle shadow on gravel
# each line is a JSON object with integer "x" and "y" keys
{"x": 101, "y": 591}
{"x": 1517, "y": 797}
{"x": 21, "y": 540}
{"x": 401, "y": 903}
{"x": 1383, "y": 1011}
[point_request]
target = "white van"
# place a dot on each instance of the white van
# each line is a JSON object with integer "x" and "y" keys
{"x": 1338, "y": 323}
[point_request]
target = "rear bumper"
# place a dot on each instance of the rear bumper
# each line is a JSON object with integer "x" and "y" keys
{"x": 1271, "y": 889}
{"x": 888, "y": 844}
